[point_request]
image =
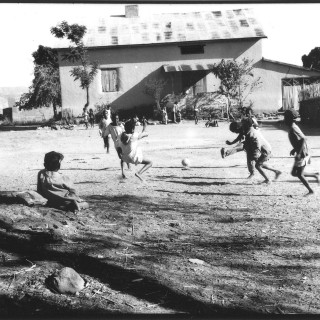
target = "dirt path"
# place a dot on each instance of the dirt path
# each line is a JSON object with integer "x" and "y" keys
{"x": 198, "y": 241}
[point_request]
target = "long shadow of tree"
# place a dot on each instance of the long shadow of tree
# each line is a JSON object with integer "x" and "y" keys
{"x": 41, "y": 247}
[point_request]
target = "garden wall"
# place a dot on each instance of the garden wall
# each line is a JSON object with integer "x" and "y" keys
{"x": 28, "y": 116}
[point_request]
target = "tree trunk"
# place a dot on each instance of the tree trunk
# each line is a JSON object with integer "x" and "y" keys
{"x": 228, "y": 109}
{"x": 88, "y": 101}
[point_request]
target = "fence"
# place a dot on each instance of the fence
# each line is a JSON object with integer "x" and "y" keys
{"x": 310, "y": 111}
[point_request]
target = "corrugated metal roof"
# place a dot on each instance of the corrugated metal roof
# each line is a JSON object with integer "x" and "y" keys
{"x": 289, "y": 65}
{"x": 188, "y": 67}
{"x": 172, "y": 27}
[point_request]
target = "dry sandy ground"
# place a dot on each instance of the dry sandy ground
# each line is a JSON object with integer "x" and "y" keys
{"x": 257, "y": 245}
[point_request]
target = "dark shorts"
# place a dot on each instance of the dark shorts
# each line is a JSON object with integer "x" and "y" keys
{"x": 263, "y": 158}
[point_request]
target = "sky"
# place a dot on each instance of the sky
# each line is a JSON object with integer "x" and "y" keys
{"x": 292, "y": 29}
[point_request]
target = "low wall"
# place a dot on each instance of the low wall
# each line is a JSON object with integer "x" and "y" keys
{"x": 310, "y": 111}
{"x": 28, "y": 116}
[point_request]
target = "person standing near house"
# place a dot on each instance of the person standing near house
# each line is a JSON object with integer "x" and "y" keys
{"x": 300, "y": 150}
{"x": 105, "y": 121}
{"x": 196, "y": 114}
{"x": 91, "y": 118}
{"x": 178, "y": 116}
{"x": 174, "y": 112}
{"x": 164, "y": 115}
{"x": 85, "y": 115}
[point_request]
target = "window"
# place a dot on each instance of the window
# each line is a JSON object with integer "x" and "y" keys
{"x": 192, "y": 49}
{"x": 109, "y": 80}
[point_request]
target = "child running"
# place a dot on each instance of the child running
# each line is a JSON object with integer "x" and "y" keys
{"x": 56, "y": 187}
{"x": 115, "y": 130}
{"x": 131, "y": 151}
{"x": 300, "y": 150}
{"x": 237, "y": 127}
{"x": 258, "y": 149}
{"x": 105, "y": 121}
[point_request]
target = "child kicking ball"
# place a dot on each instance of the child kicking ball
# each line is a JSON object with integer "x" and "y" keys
{"x": 131, "y": 151}
{"x": 258, "y": 150}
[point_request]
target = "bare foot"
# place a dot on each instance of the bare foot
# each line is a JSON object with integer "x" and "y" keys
{"x": 318, "y": 178}
{"x": 223, "y": 153}
{"x": 266, "y": 182}
{"x": 278, "y": 173}
{"x": 251, "y": 176}
{"x": 310, "y": 193}
{"x": 138, "y": 176}
{"x": 124, "y": 177}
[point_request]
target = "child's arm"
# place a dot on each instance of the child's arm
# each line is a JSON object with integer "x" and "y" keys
{"x": 68, "y": 185}
{"x": 39, "y": 189}
{"x": 143, "y": 133}
{"x": 239, "y": 138}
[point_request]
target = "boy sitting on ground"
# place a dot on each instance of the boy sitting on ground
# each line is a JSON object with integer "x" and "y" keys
{"x": 56, "y": 187}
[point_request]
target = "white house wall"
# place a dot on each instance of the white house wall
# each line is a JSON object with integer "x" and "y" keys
{"x": 137, "y": 63}
{"x": 269, "y": 97}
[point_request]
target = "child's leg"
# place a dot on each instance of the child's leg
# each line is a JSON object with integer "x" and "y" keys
{"x": 147, "y": 164}
{"x": 261, "y": 163}
{"x": 298, "y": 172}
{"x": 250, "y": 165}
{"x": 259, "y": 168}
{"x": 107, "y": 142}
{"x": 121, "y": 164}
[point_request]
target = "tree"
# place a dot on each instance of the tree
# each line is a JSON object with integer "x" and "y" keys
{"x": 237, "y": 81}
{"x": 153, "y": 87}
{"x": 45, "y": 89}
{"x": 312, "y": 60}
{"x": 87, "y": 71}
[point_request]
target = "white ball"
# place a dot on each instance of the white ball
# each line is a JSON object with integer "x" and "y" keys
{"x": 185, "y": 162}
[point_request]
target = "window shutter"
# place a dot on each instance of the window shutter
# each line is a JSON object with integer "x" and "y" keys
{"x": 109, "y": 80}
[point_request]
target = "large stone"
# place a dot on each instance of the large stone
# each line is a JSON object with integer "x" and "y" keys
{"x": 67, "y": 280}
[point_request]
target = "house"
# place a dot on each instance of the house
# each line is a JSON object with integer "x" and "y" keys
{"x": 180, "y": 48}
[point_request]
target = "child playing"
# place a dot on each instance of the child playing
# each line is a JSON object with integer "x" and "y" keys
{"x": 85, "y": 116}
{"x": 300, "y": 150}
{"x": 105, "y": 121}
{"x": 131, "y": 151}
{"x": 91, "y": 118}
{"x": 56, "y": 187}
{"x": 115, "y": 130}
{"x": 211, "y": 122}
{"x": 237, "y": 127}
{"x": 178, "y": 116}
{"x": 258, "y": 149}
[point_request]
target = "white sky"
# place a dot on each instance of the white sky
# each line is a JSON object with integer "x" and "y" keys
{"x": 292, "y": 29}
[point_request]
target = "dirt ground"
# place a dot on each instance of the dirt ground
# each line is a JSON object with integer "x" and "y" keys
{"x": 195, "y": 242}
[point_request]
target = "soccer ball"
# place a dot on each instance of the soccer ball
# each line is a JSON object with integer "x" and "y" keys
{"x": 185, "y": 162}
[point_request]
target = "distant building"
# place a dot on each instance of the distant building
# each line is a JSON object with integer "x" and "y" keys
{"x": 180, "y": 47}
{"x": 3, "y": 104}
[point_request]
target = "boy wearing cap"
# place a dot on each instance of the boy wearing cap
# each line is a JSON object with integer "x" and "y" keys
{"x": 300, "y": 149}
